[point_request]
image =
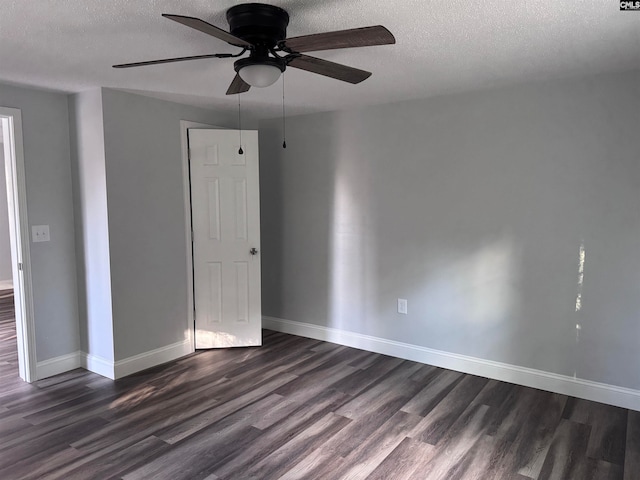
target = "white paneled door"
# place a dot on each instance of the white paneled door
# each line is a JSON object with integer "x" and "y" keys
{"x": 225, "y": 208}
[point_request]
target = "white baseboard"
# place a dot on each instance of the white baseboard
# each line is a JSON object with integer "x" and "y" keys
{"x": 98, "y": 365}
{"x": 152, "y": 358}
{"x": 137, "y": 363}
{"x": 57, "y": 365}
{"x": 552, "y": 382}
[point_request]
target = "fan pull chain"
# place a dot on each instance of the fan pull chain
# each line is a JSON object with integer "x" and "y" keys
{"x": 284, "y": 124}
{"x": 240, "y": 151}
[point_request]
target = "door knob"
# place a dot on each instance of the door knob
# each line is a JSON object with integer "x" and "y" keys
{"x": 253, "y": 251}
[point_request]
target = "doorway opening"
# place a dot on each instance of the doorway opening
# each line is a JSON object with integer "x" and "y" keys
{"x": 18, "y": 229}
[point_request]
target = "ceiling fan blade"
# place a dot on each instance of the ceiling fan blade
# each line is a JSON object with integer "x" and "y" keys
{"x": 169, "y": 60}
{"x": 238, "y": 86}
{"x": 329, "y": 69}
{"x": 355, "y": 37}
{"x": 207, "y": 28}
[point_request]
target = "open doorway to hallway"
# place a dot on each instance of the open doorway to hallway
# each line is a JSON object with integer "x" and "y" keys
{"x": 16, "y": 303}
{"x": 8, "y": 345}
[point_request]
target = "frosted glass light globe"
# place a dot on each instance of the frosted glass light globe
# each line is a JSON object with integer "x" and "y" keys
{"x": 260, "y": 75}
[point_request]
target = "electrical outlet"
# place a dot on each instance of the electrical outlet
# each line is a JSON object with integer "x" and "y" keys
{"x": 402, "y": 306}
{"x": 40, "y": 233}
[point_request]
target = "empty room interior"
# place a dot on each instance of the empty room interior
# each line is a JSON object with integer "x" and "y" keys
{"x": 320, "y": 240}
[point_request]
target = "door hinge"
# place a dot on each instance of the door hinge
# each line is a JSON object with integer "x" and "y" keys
{"x": 20, "y": 266}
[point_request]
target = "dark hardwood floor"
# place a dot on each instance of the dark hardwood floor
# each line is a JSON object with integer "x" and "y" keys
{"x": 8, "y": 348}
{"x": 302, "y": 409}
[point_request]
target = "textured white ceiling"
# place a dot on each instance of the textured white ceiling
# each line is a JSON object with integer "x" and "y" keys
{"x": 443, "y": 46}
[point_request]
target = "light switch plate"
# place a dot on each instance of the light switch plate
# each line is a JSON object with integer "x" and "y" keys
{"x": 40, "y": 233}
{"x": 402, "y": 306}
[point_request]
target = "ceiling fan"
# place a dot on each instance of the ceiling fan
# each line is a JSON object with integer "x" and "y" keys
{"x": 261, "y": 30}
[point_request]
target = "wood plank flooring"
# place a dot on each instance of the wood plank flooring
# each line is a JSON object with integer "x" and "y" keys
{"x": 8, "y": 347}
{"x": 302, "y": 409}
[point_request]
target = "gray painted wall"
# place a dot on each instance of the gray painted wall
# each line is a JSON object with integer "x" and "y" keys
{"x": 474, "y": 207}
{"x": 147, "y": 218}
{"x": 92, "y": 229}
{"x": 5, "y": 245}
{"x": 49, "y": 201}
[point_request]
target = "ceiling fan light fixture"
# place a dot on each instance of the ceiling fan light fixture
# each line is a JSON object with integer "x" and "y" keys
{"x": 260, "y": 75}
{"x": 259, "y": 72}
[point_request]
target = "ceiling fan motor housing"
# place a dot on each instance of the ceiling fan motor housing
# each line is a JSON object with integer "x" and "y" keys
{"x": 259, "y": 24}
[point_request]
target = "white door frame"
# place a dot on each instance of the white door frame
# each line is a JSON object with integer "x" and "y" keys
{"x": 185, "y": 125}
{"x": 20, "y": 252}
